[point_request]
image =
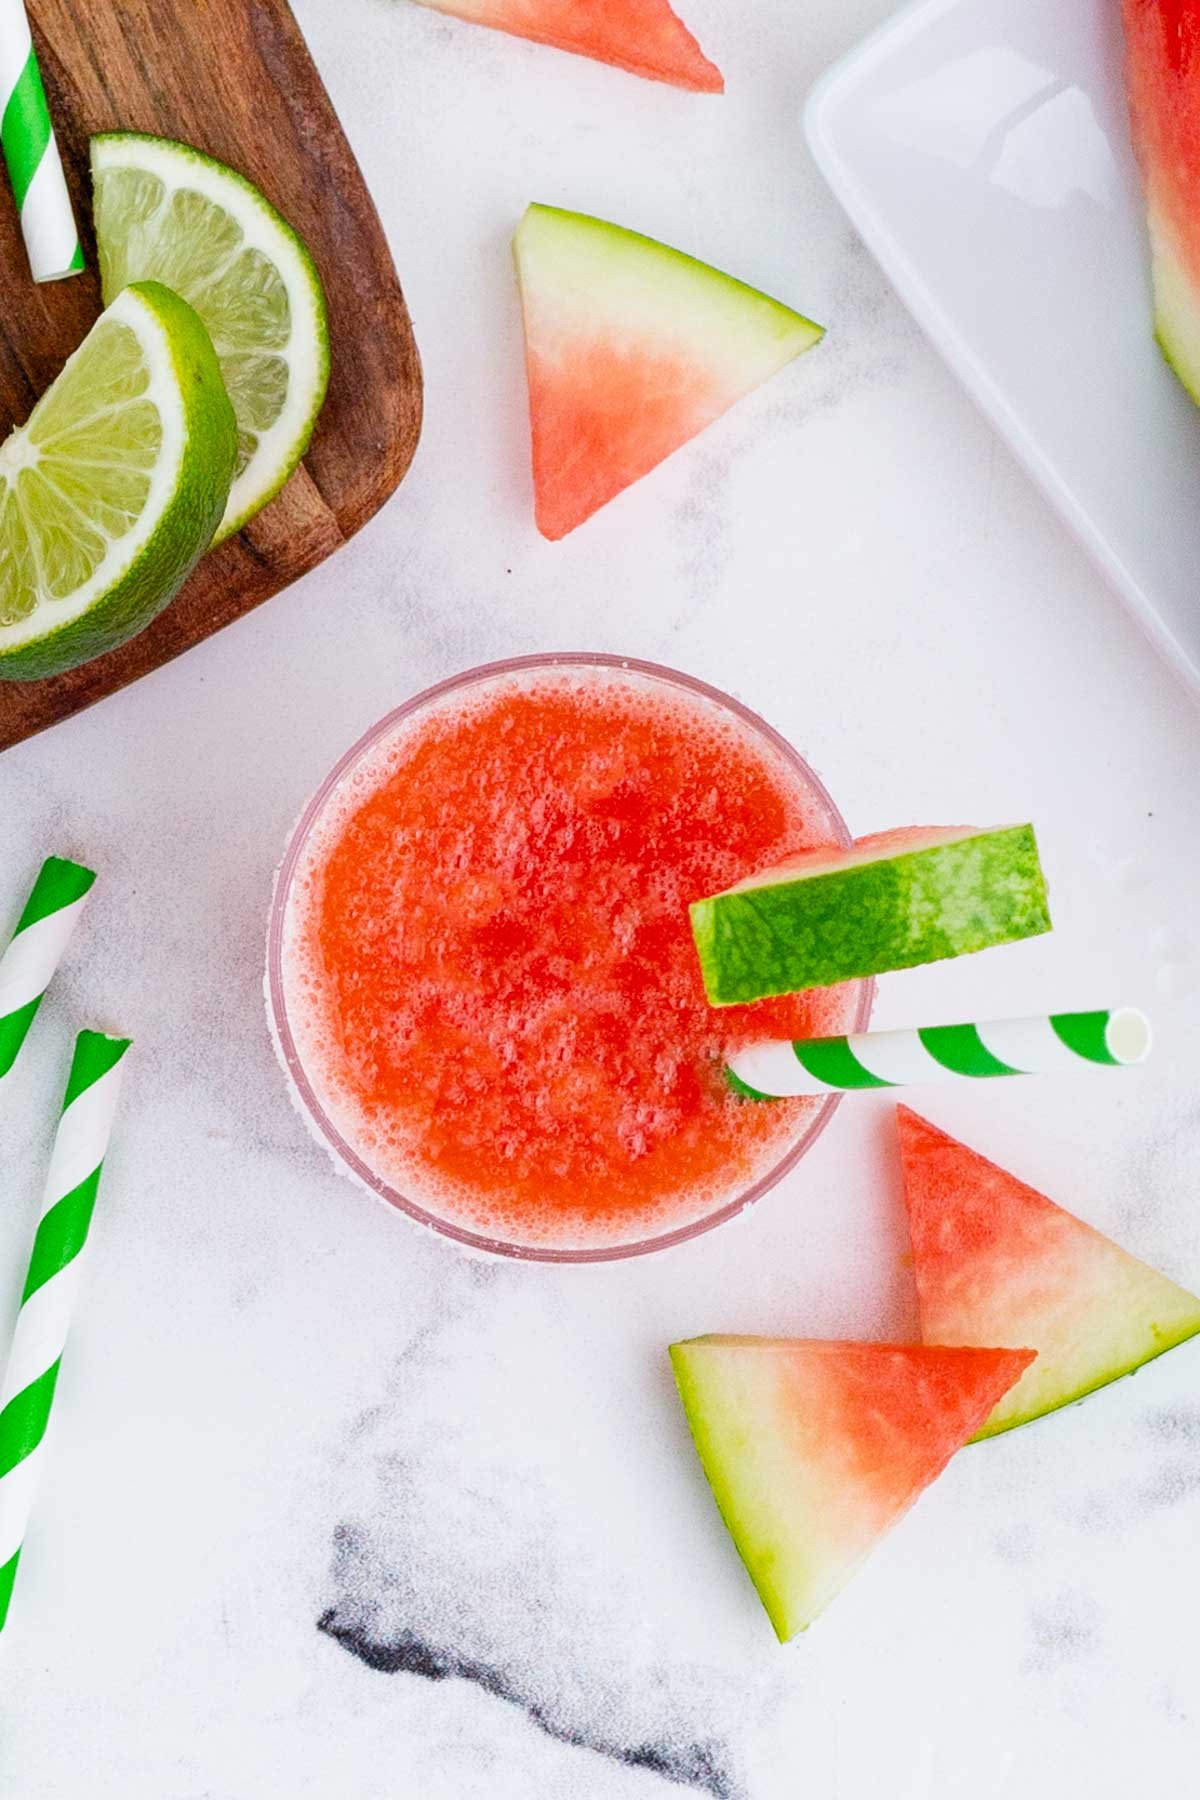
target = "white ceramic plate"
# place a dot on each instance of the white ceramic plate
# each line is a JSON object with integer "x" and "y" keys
{"x": 981, "y": 148}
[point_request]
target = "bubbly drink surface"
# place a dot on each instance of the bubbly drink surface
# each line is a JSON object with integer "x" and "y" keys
{"x": 490, "y": 975}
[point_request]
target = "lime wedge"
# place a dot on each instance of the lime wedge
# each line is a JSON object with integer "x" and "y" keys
{"x": 113, "y": 488}
{"x": 167, "y": 213}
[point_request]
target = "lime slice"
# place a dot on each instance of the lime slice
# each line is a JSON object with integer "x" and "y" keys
{"x": 113, "y": 489}
{"x": 171, "y": 214}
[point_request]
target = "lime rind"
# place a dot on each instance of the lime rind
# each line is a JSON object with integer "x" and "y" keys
{"x": 174, "y": 214}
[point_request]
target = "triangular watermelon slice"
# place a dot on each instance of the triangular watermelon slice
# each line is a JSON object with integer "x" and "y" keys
{"x": 997, "y": 1262}
{"x": 644, "y": 36}
{"x": 1163, "y": 39}
{"x": 631, "y": 348}
{"x": 814, "y": 1450}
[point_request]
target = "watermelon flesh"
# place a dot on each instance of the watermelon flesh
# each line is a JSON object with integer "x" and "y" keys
{"x": 998, "y": 1263}
{"x": 813, "y": 1450}
{"x": 1163, "y": 63}
{"x": 644, "y": 36}
{"x": 631, "y": 348}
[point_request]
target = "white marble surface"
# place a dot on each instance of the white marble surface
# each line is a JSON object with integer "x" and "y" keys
{"x": 284, "y": 1406}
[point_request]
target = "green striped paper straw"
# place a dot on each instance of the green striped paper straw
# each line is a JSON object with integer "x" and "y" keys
{"x": 31, "y": 153}
{"x": 881, "y": 1059}
{"x": 49, "y": 1297}
{"x": 43, "y": 931}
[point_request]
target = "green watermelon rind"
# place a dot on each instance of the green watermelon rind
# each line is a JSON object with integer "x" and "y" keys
{"x": 587, "y": 247}
{"x": 783, "y": 936}
{"x": 1164, "y": 112}
{"x": 1176, "y": 311}
{"x": 712, "y": 1448}
{"x": 998, "y": 1429}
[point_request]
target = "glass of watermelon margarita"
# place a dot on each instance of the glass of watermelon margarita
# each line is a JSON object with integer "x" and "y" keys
{"x": 481, "y": 978}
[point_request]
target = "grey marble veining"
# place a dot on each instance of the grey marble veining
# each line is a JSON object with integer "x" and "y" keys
{"x": 333, "y": 1512}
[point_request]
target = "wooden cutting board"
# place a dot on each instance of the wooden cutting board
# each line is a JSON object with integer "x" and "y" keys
{"x": 234, "y": 78}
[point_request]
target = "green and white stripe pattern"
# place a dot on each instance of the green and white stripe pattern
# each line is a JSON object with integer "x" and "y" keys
{"x": 49, "y": 1296}
{"x": 43, "y": 931}
{"x": 881, "y": 1059}
{"x": 31, "y": 153}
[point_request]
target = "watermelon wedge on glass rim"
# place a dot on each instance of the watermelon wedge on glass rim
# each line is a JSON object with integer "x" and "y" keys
{"x": 997, "y": 1262}
{"x": 631, "y": 348}
{"x": 815, "y": 1449}
{"x": 646, "y": 37}
{"x": 895, "y": 900}
{"x": 1163, "y": 66}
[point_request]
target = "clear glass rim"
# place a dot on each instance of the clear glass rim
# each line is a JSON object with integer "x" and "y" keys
{"x": 863, "y": 991}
